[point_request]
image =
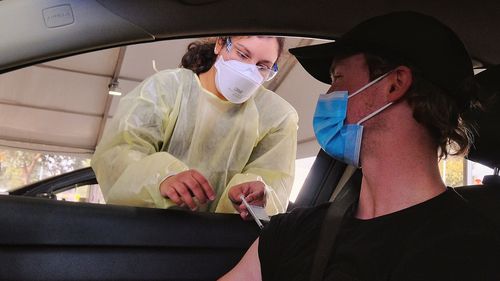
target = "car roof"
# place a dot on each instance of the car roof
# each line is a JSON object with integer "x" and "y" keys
{"x": 108, "y": 23}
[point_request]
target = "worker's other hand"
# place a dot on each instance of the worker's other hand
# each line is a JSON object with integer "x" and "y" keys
{"x": 181, "y": 189}
{"x": 254, "y": 193}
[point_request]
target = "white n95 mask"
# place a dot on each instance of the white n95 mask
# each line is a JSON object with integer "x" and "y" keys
{"x": 235, "y": 80}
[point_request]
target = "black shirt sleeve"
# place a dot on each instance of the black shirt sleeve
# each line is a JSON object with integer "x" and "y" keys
{"x": 288, "y": 236}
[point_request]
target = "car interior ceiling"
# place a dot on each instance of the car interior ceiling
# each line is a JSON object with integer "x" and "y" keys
{"x": 108, "y": 23}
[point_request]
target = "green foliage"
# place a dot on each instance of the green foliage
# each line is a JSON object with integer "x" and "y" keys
{"x": 454, "y": 171}
{"x": 21, "y": 167}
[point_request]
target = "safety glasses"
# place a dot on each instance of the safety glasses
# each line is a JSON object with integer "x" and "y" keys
{"x": 267, "y": 72}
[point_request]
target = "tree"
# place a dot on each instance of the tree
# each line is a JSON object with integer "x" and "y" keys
{"x": 453, "y": 170}
{"x": 21, "y": 167}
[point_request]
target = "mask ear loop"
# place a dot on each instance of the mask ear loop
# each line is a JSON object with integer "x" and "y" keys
{"x": 366, "y": 86}
{"x": 374, "y": 113}
{"x": 380, "y": 109}
{"x": 369, "y": 84}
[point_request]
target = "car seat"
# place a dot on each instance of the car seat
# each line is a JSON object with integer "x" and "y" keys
{"x": 486, "y": 149}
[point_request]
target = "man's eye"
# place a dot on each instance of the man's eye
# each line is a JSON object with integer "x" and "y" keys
{"x": 336, "y": 77}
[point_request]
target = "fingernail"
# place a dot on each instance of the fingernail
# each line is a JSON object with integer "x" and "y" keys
{"x": 194, "y": 209}
{"x": 212, "y": 197}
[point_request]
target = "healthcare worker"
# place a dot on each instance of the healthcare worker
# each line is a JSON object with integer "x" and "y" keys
{"x": 202, "y": 135}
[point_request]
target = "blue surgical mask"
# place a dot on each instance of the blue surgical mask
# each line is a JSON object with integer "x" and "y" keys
{"x": 341, "y": 141}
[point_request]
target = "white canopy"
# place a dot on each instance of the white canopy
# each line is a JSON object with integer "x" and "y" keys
{"x": 63, "y": 105}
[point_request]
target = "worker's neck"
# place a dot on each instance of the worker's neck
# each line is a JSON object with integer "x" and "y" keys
{"x": 207, "y": 80}
{"x": 399, "y": 172}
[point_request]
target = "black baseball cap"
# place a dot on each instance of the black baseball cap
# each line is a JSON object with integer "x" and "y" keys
{"x": 420, "y": 40}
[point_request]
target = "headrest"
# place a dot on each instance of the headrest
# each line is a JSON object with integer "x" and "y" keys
{"x": 486, "y": 147}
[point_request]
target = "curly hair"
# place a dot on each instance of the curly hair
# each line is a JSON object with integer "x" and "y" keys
{"x": 200, "y": 54}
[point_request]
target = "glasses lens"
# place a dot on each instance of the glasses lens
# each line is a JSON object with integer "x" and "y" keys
{"x": 272, "y": 72}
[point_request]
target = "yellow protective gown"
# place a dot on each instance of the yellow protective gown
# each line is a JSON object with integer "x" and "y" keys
{"x": 170, "y": 124}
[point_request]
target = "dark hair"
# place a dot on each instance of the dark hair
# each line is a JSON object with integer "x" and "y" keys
{"x": 440, "y": 111}
{"x": 200, "y": 54}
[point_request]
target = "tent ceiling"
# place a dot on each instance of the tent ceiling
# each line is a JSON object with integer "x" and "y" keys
{"x": 60, "y": 105}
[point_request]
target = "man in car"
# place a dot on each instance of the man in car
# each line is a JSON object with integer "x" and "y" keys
{"x": 399, "y": 85}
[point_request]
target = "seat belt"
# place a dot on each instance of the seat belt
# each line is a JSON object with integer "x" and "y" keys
{"x": 343, "y": 199}
{"x": 346, "y": 176}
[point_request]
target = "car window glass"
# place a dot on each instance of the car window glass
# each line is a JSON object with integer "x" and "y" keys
{"x": 86, "y": 193}
{"x": 452, "y": 171}
{"x": 20, "y": 167}
{"x": 77, "y": 99}
{"x": 64, "y": 105}
{"x": 455, "y": 171}
{"x": 458, "y": 171}
{"x": 302, "y": 168}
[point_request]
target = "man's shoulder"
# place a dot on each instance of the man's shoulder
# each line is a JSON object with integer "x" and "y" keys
{"x": 458, "y": 243}
{"x": 290, "y": 239}
{"x": 463, "y": 220}
{"x": 299, "y": 224}
{"x": 301, "y": 216}
{"x": 474, "y": 232}
{"x": 467, "y": 251}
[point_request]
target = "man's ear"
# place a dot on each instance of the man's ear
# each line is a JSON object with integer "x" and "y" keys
{"x": 401, "y": 80}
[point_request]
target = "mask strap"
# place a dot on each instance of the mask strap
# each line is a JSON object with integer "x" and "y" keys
{"x": 229, "y": 44}
{"x": 369, "y": 84}
{"x": 374, "y": 113}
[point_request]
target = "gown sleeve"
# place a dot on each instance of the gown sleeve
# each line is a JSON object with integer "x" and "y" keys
{"x": 128, "y": 162}
{"x": 272, "y": 162}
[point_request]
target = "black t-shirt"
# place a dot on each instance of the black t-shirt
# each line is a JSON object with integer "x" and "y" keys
{"x": 439, "y": 239}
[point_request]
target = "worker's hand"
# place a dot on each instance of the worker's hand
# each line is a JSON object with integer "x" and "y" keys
{"x": 181, "y": 189}
{"x": 254, "y": 193}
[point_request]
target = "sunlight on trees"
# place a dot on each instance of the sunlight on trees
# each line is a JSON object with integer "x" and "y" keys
{"x": 21, "y": 167}
{"x": 452, "y": 171}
